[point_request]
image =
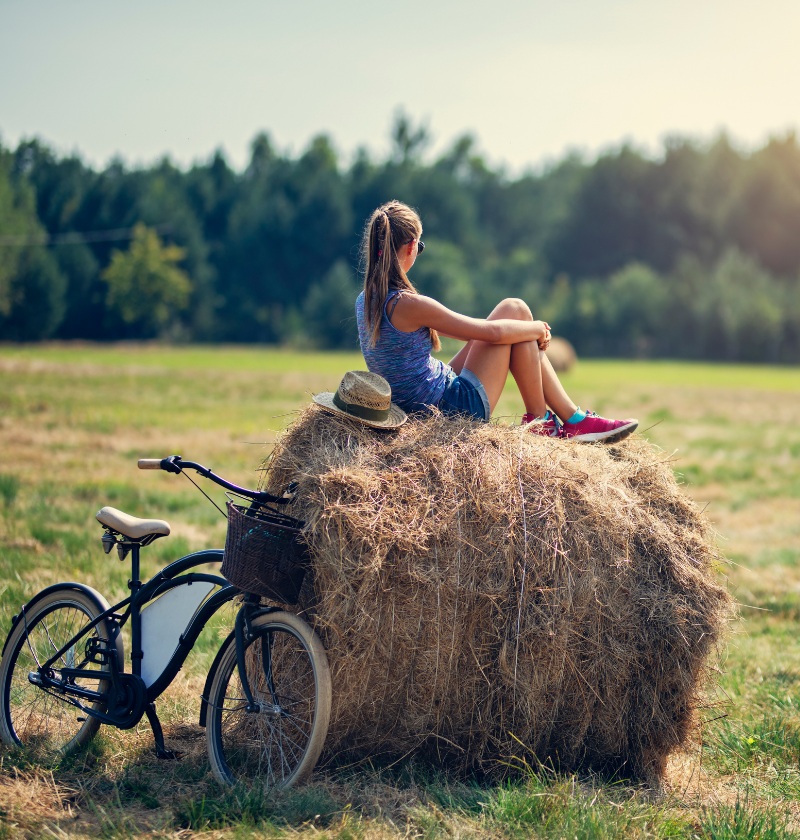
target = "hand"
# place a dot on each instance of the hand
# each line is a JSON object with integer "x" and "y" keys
{"x": 544, "y": 341}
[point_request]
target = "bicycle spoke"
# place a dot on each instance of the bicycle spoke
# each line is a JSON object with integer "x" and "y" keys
{"x": 40, "y": 717}
{"x": 273, "y": 741}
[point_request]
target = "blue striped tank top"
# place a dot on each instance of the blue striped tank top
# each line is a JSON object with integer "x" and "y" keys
{"x": 404, "y": 360}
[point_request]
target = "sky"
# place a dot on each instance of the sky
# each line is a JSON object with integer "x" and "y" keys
{"x": 532, "y": 80}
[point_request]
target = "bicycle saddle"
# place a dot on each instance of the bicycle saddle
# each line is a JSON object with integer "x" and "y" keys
{"x": 130, "y": 526}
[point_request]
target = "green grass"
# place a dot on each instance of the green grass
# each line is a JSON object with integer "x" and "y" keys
{"x": 75, "y": 418}
{"x": 232, "y": 358}
{"x": 738, "y": 822}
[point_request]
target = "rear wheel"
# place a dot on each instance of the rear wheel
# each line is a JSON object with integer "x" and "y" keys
{"x": 287, "y": 671}
{"x": 44, "y": 719}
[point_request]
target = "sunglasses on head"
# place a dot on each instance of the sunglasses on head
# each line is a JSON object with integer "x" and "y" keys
{"x": 420, "y": 245}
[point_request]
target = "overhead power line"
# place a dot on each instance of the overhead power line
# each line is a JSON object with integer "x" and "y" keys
{"x": 78, "y": 237}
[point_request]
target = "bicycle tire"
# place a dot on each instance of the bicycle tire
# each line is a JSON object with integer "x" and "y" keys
{"x": 287, "y": 669}
{"x": 31, "y": 716}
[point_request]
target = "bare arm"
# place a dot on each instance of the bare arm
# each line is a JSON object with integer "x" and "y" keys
{"x": 415, "y": 311}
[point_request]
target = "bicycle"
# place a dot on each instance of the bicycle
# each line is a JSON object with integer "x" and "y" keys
{"x": 267, "y": 696}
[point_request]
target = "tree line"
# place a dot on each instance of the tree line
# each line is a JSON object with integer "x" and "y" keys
{"x": 694, "y": 253}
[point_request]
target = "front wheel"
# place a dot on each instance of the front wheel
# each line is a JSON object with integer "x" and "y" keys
{"x": 42, "y": 719}
{"x": 287, "y": 670}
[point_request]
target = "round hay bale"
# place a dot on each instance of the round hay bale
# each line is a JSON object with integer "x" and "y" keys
{"x": 561, "y": 354}
{"x": 486, "y": 595}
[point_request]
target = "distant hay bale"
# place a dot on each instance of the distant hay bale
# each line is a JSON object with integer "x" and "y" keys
{"x": 484, "y": 593}
{"x": 561, "y": 354}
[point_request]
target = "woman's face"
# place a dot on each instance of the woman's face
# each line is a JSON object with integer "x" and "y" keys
{"x": 408, "y": 253}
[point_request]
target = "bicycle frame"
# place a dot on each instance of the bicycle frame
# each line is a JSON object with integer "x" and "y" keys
{"x": 131, "y": 697}
{"x": 168, "y": 578}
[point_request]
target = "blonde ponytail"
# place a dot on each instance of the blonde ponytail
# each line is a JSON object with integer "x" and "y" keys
{"x": 390, "y": 227}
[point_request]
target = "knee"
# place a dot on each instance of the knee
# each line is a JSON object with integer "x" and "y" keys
{"x": 515, "y": 308}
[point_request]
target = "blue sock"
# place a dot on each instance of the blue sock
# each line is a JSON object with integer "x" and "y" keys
{"x": 577, "y": 416}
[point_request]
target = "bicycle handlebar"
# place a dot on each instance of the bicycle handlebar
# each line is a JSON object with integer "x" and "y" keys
{"x": 175, "y": 464}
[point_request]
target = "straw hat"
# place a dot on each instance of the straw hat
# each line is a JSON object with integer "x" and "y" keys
{"x": 366, "y": 397}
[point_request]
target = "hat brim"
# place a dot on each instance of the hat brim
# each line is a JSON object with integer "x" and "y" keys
{"x": 396, "y": 414}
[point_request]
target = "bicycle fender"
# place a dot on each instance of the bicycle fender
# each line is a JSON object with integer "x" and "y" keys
{"x": 210, "y": 678}
{"x": 92, "y": 594}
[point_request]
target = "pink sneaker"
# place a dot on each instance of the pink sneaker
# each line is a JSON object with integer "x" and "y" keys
{"x": 547, "y": 427}
{"x": 593, "y": 427}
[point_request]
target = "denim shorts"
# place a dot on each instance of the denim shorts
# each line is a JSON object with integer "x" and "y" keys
{"x": 465, "y": 394}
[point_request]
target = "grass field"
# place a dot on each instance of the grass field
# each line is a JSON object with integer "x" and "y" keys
{"x": 73, "y": 422}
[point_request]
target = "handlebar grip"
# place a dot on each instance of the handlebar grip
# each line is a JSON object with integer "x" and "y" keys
{"x": 149, "y": 463}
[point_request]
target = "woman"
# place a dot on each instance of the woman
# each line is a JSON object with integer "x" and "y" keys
{"x": 398, "y": 328}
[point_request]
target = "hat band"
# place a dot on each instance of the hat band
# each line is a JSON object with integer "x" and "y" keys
{"x": 361, "y": 411}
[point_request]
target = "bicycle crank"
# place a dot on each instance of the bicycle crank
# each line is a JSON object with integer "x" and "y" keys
{"x": 126, "y": 707}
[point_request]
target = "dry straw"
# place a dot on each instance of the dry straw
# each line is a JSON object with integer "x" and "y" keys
{"x": 486, "y": 594}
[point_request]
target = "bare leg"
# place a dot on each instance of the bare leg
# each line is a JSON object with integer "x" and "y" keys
{"x": 534, "y": 375}
{"x": 557, "y": 398}
{"x": 457, "y": 362}
{"x": 490, "y": 363}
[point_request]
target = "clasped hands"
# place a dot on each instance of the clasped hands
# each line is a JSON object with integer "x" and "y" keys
{"x": 544, "y": 341}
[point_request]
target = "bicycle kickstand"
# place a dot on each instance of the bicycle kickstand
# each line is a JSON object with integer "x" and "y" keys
{"x": 158, "y": 735}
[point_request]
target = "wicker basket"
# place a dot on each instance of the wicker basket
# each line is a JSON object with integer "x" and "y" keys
{"x": 263, "y": 553}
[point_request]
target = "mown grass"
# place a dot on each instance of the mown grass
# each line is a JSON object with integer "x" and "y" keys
{"x": 73, "y": 422}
